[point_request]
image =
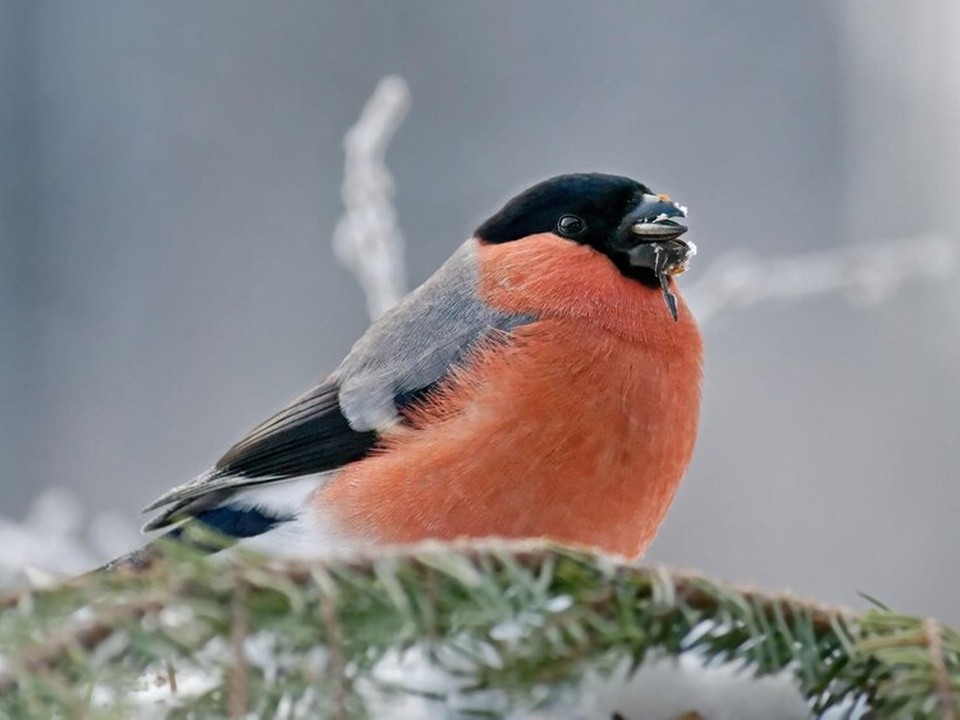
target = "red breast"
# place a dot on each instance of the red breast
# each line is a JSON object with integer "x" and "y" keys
{"x": 579, "y": 428}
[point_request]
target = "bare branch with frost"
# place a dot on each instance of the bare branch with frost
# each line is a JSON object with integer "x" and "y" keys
{"x": 367, "y": 238}
{"x": 866, "y": 274}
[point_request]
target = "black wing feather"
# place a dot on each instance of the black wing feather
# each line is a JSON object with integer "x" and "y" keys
{"x": 311, "y": 435}
{"x": 405, "y": 355}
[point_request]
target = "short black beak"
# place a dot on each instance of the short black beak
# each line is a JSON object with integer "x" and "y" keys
{"x": 653, "y": 236}
{"x": 656, "y": 219}
{"x": 655, "y": 231}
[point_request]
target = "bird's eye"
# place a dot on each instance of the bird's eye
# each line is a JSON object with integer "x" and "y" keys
{"x": 571, "y": 226}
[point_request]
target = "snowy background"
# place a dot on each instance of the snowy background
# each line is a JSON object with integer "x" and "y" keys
{"x": 170, "y": 183}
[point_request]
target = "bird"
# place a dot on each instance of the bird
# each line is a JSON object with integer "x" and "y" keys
{"x": 544, "y": 383}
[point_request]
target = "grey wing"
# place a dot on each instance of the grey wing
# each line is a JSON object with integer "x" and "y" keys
{"x": 309, "y": 436}
{"x": 417, "y": 343}
{"x": 410, "y": 350}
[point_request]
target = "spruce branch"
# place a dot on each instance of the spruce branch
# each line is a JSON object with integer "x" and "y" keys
{"x": 518, "y": 622}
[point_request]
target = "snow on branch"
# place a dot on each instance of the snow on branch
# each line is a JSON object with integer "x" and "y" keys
{"x": 506, "y": 629}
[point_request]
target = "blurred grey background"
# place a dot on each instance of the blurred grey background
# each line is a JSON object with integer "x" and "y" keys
{"x": 169, "y": 180}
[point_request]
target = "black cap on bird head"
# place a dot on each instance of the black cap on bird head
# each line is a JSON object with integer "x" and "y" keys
{"x": 639, "y": 231}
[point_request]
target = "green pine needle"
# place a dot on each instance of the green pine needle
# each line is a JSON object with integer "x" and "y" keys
{"x": 513, "y": 626}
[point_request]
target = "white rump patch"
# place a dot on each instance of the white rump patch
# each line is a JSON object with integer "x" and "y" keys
{"x": 279, "y": 497}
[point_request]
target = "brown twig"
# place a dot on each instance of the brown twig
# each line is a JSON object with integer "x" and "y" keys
{"x": 171, "y": 678}
{"x": 86, "y": 636}
{"x": 946, "y": 698}
{"x": 239, "y": 629}
{"x": 337, "y": 666}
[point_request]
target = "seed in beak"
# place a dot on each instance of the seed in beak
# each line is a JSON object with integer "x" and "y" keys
{"x": 661, "y": 228}
{"x": 668, "y": 296}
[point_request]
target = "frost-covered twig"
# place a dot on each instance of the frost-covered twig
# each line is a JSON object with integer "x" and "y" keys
{"x": 368, "y": 239}
{"x": 865, "y": 273}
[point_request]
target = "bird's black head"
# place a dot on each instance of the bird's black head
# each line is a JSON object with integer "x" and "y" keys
{"x": 621, "y": 218}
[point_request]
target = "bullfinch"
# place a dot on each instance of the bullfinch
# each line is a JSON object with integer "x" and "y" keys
{"x": 544, "y": 382}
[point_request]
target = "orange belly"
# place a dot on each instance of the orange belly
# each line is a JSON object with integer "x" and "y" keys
{"x": 570, "y": 432}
